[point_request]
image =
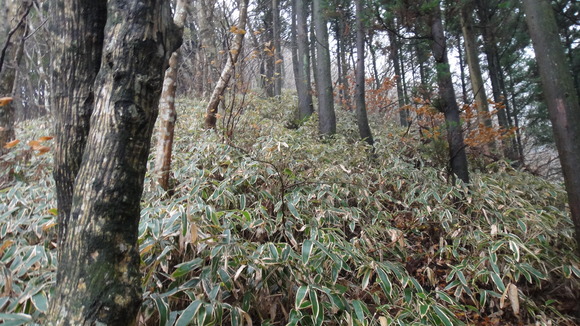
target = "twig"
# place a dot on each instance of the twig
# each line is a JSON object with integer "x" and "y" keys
{"x": 11, "y": 33}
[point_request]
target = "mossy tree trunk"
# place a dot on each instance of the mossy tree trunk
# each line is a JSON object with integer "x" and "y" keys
{"x": 110, "y": 60}
{"x": 560, "y": 95}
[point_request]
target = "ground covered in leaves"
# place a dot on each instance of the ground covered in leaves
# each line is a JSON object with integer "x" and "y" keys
{"x": 278, "y": 227}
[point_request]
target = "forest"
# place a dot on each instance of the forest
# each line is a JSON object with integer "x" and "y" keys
{"x": 289, "y": 162}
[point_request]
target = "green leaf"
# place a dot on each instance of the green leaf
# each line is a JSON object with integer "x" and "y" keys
{"x": 292, "y": 209}
{"x": 385, "y": 282}
{"x": 40, "y": 301}
{"x": 306, "y": 251}
{"x": 442, "y": 316}
{"x": 317, "y": 308}
{"x": 300, "y": 296}
{"x": 359, "y": 309}
{"x": 498, "y": 282}
{"x": 162, "y": 309}
{"x": 185, "y": 268}
{"x": 189, "y": 313}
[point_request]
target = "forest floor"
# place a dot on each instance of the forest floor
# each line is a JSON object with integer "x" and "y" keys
{"x": 274, "y": 226}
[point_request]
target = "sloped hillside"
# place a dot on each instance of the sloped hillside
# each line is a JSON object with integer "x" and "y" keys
{"x": 279, "y": 227}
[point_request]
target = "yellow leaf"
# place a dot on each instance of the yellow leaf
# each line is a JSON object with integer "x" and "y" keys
{"x": 11, "y": 144}
{"x": 53, "y": 211}
{"x": 5, "y": 245}
{"x": 49, "y": 226}
{"x": 45, "y": 138}
{"x": 5, "y": 100}
{"x": 240, "y": 31}
{"x": 147, "y": 248}
{"x": 234, "y": 51}
{"x": 279, "y": 61}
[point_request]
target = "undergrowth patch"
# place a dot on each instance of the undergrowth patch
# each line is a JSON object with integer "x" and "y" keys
{"x": 276, "y": 227}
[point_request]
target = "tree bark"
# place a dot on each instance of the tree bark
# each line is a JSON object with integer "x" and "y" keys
{"x": 447, "y": 101}
{"x": 276, "y": 27}
{"x": 10, "y": 56}
{"x": 472, "y": 58}
{"x": 216, "y": 96}
{"x": 168, "y": 115}
{"x": 205, "y": 15}
{"x": 395, "y": 59}
{"x": 302, "y": 62}
{"x": 98, "y": 278}
{"x": 361, "y": 110}
{"x": 326, "y": 115}
{"x": 560, "y": 95}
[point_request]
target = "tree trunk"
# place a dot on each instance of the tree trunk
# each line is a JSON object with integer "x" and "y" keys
{"x": 447, "y": 102}
{"x": 9, "y": 60}
{"x": 472, "y": 58}
{"x": 205, "y": 14}
{"x": 277, "y": 48}
{"x": 98, "y": 277}
{"x": 560, "y": 95}
{"x": 495, "y": 72}
{"x": 168, "y": 116}
{"x": 233, "y": 54}
{"x": 326, "y": 116}
{"x": 361, "y": 110}
{"x": 395, "y": 59}
{"x": 302, "y": 62}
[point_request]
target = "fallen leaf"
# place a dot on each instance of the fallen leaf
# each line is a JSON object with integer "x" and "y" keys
{"x": 5, "y": 101}
{"x": 42, "y": 150}
{"x": 11, "y": 144}
{"x": 35, "y": 144}
{"x": 45, "y": 138}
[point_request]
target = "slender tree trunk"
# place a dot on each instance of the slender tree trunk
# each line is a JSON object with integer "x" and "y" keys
{"x": 495, "y": 72}
{"x": 98, "y": 277}
{"x": 361, "y": 110}
{"x": 560, "y": 95}
{"x": 461, "y": 63}
{"x": 447, "y": 102}
{"x": 216, "y": 96}
{"x": 302, "y": 62}
{"x": 168, "y": 115}
{"x": 373, "y": 52}
{"x": 472, "y": 58}
{"x": 205, "y": 14}
{"x": 326, "y": 116}
{"x": 395, "y": 59}
{"x": 314, "y": 57}
{"x": 10, "y": 56}
{"x": 276, "y": 27}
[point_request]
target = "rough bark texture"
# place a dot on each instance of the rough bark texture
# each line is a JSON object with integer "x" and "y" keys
{"x": 472, "y": 58}
{"x": 361, "y": 110}
{"x": 11, "y": 53}
{"x": 216, "y": 96}
{"x": 447, "y": 101}
{"x": 98, "y": 278}
{"x": 209, "y": 54}
{"x": 560, "y": 95}
{"x": 326, "y": 115}
{"x": 79, "y": 31}
{"x": 302, "y": 71}
{"x": 167, "y": 114}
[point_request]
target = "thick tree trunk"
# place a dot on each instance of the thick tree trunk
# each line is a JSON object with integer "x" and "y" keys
{"x": 79, "y": 32}
{"x": 302, "y": 62}
{"x": 361, "y": 110}
{"x": 216, "y": 96}
{"x": 167, "y": 114}
{"x": 447, "y": 101}
{"x": 326, "y": 115}
{"x": 10, "y": 55}
{"x": 472, "y": 58}
{"x": 98, "y": 278}
{"x": 560, "y": 95}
